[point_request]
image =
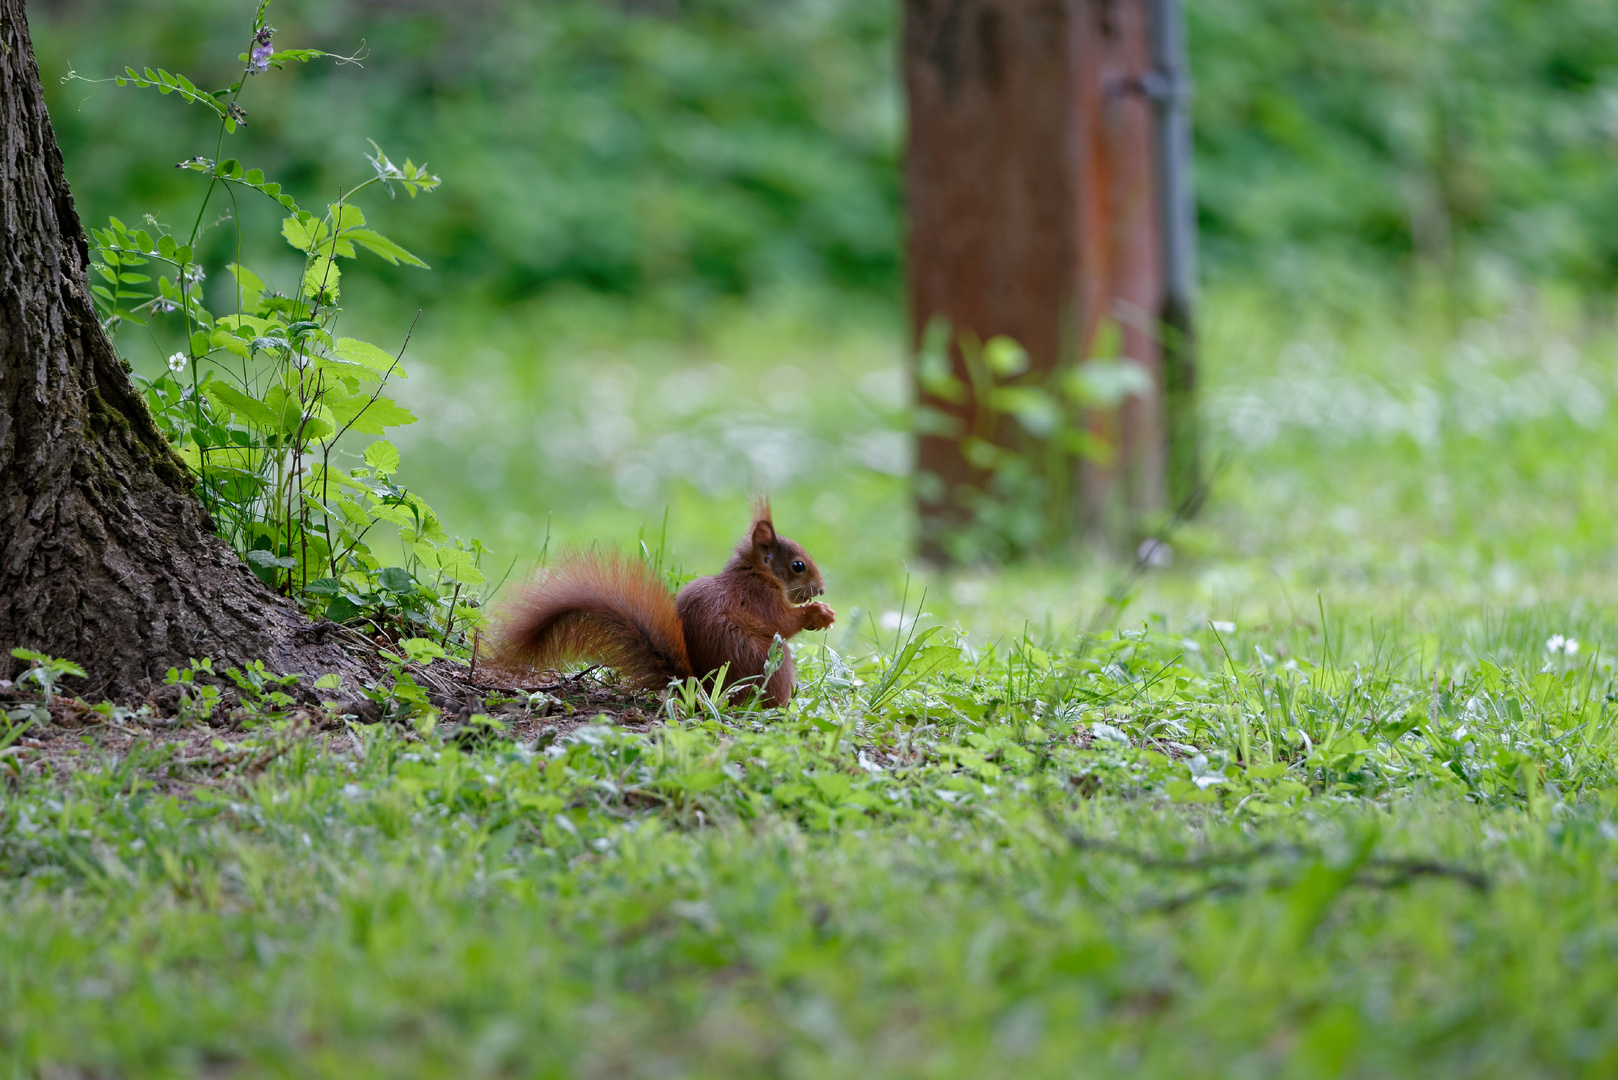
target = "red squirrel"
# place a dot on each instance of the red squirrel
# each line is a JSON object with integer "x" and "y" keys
{"x": 615, "y": 610}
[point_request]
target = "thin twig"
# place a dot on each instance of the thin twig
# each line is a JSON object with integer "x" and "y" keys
{"x": 1375, "y": 872}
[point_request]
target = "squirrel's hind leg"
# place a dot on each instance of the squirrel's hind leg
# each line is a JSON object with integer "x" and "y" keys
{"x": 778, "y": 692}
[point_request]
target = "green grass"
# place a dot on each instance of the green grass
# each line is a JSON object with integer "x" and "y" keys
{"x": 1372, "y": 830}
{"x": 1008, "y": 865}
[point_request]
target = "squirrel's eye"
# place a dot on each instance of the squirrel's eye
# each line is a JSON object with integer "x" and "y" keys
{"x": 797, "y": 566}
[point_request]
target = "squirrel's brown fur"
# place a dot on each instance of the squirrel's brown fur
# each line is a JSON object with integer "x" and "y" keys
{"x": 615, "y": 611}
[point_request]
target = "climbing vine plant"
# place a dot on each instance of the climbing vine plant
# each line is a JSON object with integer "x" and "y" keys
{"x": 269, "y": 405}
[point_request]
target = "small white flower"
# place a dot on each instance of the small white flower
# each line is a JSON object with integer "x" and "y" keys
{"x": 1154, "y": 552}
{"x": 177, "y": 362}
{"x": 892, "y": 620}
{"x": 1223, "y": 627}
{"x": 1565, "y": 646}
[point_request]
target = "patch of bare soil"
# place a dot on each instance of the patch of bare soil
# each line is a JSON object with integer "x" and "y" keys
{"x": 529, "y": 708}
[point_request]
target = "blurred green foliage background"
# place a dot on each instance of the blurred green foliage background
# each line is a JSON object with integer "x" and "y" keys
{"x": 710, "y": 149}
{"x": 666, "y": 266}
{"x": 720, "y": 147}
{"x": 666, "y": 274}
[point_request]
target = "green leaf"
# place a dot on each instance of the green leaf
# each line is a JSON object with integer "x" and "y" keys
{"x": 353, "y": 513}
{"x": 303, "y": 234}
{"x": 253, "y": 323}
{"x": 453, "y": 563}
{"x": 322, "y": 278}
{"x": 224, "y": 396}
{"x": 345, "y": 216}
{"x": 365, "y": 354}
{"x": 901, "y": 663}
{"x": 326, "y": 586}
{"x": 349, "y": 376}
{"x": 382, "y": 414}
{"x": 224, "y": 339}
{"x": 1005, "y": 357}
{"x": 338, "y": 245}
{"x": 382, "y": 456}
{"x": 323, "y": 478}
{"x": 285, "y": 409}
{"x": 260, "y": 557}
{"x": 381, "y": 245}
{"x": 401, "y": 516}
{"x": 421, "y": 650}
{"x": 249, "y": 284}
{"x": 396, "y": 579}
{"x": 367, "y": 417}
{"x": 1107, "y": 382}
{"x": 301, "y": 56}
{"x": 1039, "y": 412}
{"x": 342, "y": 609}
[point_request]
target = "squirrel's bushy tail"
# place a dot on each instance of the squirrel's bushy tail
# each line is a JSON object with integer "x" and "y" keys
{"x": 596, "y": 607}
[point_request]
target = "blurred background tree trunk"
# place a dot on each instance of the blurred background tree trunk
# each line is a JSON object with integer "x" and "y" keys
{"x": 1035, "y": 183}
{"x": 108, "y": 559}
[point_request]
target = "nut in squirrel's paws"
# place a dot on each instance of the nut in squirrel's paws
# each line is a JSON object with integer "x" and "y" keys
{"x": 818, "y": 616}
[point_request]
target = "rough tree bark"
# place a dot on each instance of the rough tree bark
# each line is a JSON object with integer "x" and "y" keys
{"x": 106, "y": 556}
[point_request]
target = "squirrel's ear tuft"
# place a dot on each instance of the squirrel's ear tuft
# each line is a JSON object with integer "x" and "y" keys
{"x": 763, "y": 522}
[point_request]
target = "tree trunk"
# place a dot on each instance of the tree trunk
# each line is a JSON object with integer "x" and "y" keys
{"x": 106, "y": 556}
{"x": 1032, "y": 193}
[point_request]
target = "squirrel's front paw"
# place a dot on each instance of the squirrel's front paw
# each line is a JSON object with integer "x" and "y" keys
{"x": 818, "y": 616}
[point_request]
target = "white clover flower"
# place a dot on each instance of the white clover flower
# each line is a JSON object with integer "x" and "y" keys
{"x": 1223, "y": 627}
{"x": 1556, "y": 644}
{"x": 177, "y": 362}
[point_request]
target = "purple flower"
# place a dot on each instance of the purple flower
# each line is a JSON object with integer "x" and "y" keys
{"x": 261, "y": 56}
